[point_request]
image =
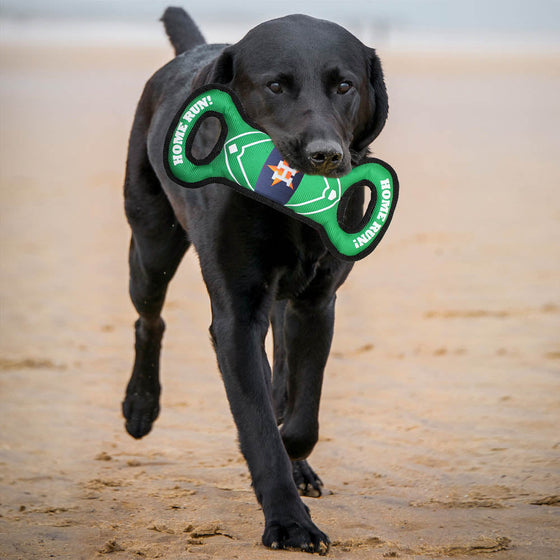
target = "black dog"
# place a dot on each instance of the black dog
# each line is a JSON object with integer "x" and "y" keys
{"x": 319, "y": 93}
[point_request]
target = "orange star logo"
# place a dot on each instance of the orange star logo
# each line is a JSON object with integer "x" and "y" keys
{"x": 283, "y": 172}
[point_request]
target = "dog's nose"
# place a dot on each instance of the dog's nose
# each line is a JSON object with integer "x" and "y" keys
{"x": 324, "y": 156}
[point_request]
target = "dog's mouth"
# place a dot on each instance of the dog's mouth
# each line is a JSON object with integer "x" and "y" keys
{"x": 316, "y": 159}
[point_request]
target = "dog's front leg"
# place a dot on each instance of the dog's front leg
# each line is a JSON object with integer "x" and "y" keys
{"x": 239, "y": 327}
{"x": 308, "y": 332}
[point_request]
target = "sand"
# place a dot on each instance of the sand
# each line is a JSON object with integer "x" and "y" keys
{"x": 439, "y": 422}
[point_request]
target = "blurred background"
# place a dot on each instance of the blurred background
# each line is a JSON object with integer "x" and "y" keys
{"x": 399, "y": 24}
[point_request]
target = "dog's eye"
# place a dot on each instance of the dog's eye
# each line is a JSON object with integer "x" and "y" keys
{"x": 274, "y": 87}
{"x": 344, "y": 87}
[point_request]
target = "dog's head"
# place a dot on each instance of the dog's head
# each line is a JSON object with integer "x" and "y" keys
{"x": 312, "y": 86}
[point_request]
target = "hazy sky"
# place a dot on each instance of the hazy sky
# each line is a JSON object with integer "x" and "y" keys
{"x": 471, "y": 15}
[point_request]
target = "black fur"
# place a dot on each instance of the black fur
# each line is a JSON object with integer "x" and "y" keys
{"x": 181, "y": 30}
{"x": 260, "y": 267}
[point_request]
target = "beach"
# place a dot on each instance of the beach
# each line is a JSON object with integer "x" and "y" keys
{"x": 441, "y": 404}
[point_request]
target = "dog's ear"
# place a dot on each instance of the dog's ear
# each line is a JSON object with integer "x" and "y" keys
{"x": 220, "y": 71}
{"x": 377, "y": 105}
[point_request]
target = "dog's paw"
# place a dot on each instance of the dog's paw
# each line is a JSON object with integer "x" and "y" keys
{"x": 140, "y": 410}
{"x": 307, "y": 481}
{"x": 305, "y": 537}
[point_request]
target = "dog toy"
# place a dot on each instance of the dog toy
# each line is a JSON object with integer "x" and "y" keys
{"x": 244, "y": 157}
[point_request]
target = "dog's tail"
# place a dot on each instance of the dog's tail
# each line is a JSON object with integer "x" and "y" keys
{"x": 181, "y": 30}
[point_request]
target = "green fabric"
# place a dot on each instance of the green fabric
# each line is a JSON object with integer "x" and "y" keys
{"x": 246, "y": 159}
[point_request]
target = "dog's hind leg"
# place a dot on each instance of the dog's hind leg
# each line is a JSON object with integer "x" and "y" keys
{"x": 157, "y": 246}
{"x": 148, "y": 285}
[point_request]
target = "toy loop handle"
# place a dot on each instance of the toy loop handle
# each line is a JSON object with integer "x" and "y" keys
{"x": 182, "y": 163}
{"x": 203, "y": 164}
{"x": 356, "y": 240}
{"x": 367, "y": 218}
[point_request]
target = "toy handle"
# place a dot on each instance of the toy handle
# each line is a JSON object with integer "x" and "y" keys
{"x": 204, "y": 167}
{"x": 183, "y": 164}
{"x": 367, "y": 218}
{"x": 357, "y": 240}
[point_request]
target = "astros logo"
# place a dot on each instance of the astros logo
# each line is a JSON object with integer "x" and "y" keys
{"x": 278, "y": 181}
{"x": 283, "y": 172}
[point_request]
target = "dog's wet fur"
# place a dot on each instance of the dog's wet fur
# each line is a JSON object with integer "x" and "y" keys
{"x": 320, "y": 94}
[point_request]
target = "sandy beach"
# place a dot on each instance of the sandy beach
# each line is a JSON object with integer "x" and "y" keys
{"x": 439, "y": 421}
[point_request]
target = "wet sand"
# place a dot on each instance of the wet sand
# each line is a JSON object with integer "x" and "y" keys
{"x": 439, "y": 422}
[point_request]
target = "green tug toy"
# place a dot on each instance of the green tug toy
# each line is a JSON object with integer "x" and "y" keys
{"x": 245, "y": 158}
